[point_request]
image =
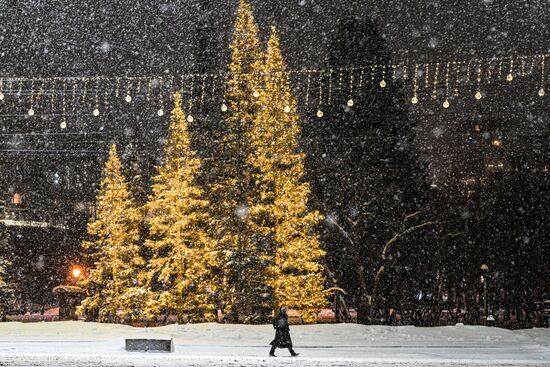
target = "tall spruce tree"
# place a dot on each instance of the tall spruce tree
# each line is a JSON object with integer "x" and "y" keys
{"x": 115, "y": 279}
{"x": 7, "y": 296}
{"x": 280, "y": 212}
{"x": 245, "y": 293}
{"x": 367, "y": 176}
{"x": 182, "y": 268}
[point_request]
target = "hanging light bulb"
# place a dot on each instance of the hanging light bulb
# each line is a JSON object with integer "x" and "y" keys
{"x": 287, "y": 109}
{"x": 414, "y": 100}
{"x": 128, "y": 98}
{"x": 478, "y": 95}
{"x": 542, "y": 92}
{"x": 30, "y": 112}
{"x": 160, "y": 112}
{"x": 96, "y": 112}
{"x": 383, "y": 84}
{"x": 320, "y": 113}
{"x": 224, "y": 107}
{"x": 63, "y": 124}
{"x": 256, "y": 94}
{"x": 510, "y": 77}
{"x": 446, "y": 104}
{"x": 190, "y": 118}
{"x": 350, "y": 103}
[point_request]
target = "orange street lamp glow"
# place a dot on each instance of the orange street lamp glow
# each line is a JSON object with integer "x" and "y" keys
{"x": 76, "y": 272}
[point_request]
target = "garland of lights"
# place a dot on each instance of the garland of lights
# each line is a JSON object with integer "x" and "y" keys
{"x": 314, "y": 85}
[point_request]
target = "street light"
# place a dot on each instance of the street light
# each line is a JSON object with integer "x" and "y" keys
{"x": 76, "y": 272}
{"x": 484, "y": 268}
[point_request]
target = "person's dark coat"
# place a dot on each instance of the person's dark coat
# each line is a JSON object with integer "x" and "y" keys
{"x": 282, "y": 333}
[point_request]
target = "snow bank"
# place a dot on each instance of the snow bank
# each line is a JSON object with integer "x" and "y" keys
{"x": 251, "y": 335}
{"x": 319, "y": 345}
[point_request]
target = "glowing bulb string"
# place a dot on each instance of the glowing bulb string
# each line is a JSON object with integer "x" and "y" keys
{"x": 160, "y": 111}
{"x": 453, "y": 73}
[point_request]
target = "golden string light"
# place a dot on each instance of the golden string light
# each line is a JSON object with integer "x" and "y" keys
{"x": 435, "y": 83}
{"x": 320, "y": 112}
{"x": 52, "y": 98}
{"x": 96, "y": 99}
{"x": 510, "y": 75}
{"x": 128, "y": 97}
{"x": 350, "y": 100}
{"x": 74, "y": 88}
{"x": 85, "y": 90}
{"x": 329, "y": 101}
{"x": 308, "y": 86}
{"x": 212, "y": 90}
{"x": 446, "y": 103}
{"x": 106, "y": 99}
{"x": 30, "y": 112}
{"x": 414, "y": 99}
{"x": 117, "y": 88}
{"x": 203, "y": 88}
{"x": 542, "y": 76}
{"x": 160, "y": 111}
{"x": 478, "y": 93}
{"x": 190, "y": 117}
{"x": 452, "y": 77}
{"x": 63, "y": 123}
{"x": 383, "y": 81}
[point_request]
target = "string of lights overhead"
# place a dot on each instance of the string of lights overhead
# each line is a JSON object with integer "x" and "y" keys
{"x": 317, "y": 88}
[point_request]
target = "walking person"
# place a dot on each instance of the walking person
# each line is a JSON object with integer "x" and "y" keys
{"x": 282, "y": 333}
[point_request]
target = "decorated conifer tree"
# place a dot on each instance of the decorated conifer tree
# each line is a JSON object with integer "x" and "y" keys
{"x": 7, "y": 297}
{"x": 245, "y": 292}
{"x": 281, "y": 211}
{"x": 114, "y": 283}
{"x": 183, "y": 263}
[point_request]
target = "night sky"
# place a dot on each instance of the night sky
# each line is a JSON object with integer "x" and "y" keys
{"x": 144, "y": 37}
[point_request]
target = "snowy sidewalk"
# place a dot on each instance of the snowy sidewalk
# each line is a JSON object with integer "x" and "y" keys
{"x": 92, "y": 344}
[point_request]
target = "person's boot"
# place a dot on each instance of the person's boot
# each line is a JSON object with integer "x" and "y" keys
{"x": 272, "y": 352}
{"x": 293, "y": 353}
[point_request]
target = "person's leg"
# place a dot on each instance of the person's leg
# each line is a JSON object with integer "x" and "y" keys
{"x": 292, "y": 352}
{"x": 272, "y": 351}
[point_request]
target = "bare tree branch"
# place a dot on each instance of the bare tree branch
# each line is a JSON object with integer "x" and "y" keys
{"x": 399, "y": 235}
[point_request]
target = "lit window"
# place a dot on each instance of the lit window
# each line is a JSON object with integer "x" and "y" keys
{"x": 494, "y": 167}
{"x": 17, "y": 199}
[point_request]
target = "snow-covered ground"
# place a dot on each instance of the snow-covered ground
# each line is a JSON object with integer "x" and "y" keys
{"x": 92, "y": 344}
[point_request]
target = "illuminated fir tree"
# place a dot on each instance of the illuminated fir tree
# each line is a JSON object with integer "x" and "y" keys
{"x": 7, "y": 297}
{"x": 114, "y": 284}
{"x": 245, "y": 292}
{"x": 281, "y": 209}
{"x": 183, "y": 257}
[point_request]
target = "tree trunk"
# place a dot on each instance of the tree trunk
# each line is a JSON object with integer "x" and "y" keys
{"x": 363, "y": 304}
